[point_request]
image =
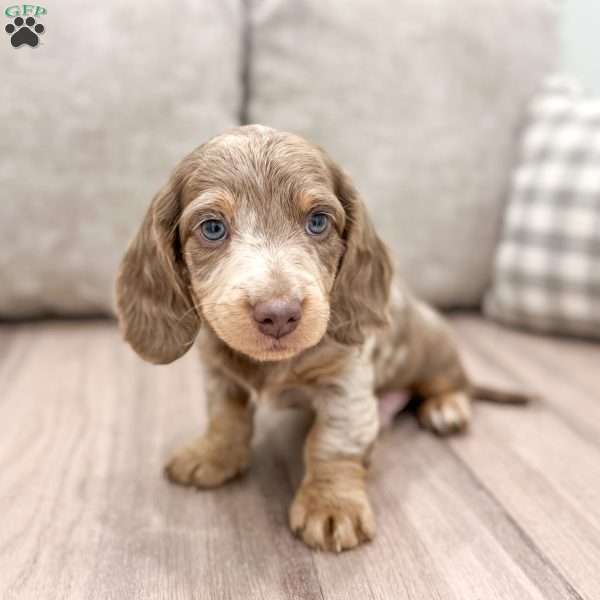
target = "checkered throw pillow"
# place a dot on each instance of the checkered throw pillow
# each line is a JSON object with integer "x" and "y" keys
{"x": 547, "y": 267}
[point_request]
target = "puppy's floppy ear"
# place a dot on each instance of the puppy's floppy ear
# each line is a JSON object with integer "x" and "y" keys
{"x": 156, "y": 312}
{"x": 362, "y": 286}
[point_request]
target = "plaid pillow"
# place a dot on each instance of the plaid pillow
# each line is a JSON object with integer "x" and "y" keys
{"x": 547, "y": 266}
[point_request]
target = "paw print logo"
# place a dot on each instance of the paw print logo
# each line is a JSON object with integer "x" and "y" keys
{"x": 24, "y": 32}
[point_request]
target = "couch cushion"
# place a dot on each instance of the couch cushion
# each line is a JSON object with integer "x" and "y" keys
{"x": 420, "y": 101}
{"x": 547, "y": 269}
{"x": 92, "y": 121}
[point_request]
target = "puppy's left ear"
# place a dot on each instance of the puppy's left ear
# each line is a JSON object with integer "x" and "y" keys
{"x": 361, "y": 289}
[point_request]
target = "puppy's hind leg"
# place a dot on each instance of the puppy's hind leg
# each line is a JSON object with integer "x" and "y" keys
{"x": 445, "y": 407}
{"x": 444, "y": 388}
{"x": 439, "y": 378}
{"x": 446, "y": 413}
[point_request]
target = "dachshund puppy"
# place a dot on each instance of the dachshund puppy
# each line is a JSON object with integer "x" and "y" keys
{"x": 260, "y": 246}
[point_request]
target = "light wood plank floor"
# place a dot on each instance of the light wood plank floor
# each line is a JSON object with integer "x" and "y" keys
{"x": 510, "y": 511}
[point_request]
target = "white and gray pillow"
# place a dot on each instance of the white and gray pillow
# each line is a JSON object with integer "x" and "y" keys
{"x": 547, "y": 268}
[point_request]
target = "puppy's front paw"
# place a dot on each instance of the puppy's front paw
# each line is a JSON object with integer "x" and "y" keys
{"x": 447, "y": 413}
{"x": 207, "y": 464}
{"x": 331, "y": 518}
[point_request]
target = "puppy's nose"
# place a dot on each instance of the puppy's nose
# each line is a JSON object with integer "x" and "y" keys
{"x": 278, "y": 317}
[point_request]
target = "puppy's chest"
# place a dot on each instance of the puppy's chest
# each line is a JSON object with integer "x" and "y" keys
{"x": 295, "y": 382}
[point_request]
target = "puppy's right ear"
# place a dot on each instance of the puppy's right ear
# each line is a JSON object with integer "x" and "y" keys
{"x": 156, "y": 312}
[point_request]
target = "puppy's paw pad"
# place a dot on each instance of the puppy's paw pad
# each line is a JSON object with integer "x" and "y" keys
{"x": 449, "y": 413}
{"x": 332, "y": 522}
{"x": 205, "y": 466}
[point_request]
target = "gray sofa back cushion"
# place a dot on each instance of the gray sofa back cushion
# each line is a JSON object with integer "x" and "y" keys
{"x": 420, "y": 100}
{"x": 92, "y": 122}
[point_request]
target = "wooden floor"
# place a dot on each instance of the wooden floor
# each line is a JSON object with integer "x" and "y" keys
{"x": 510, "y": 511}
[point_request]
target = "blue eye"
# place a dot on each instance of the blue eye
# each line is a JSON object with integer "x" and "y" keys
{"x": 213, "y": 230}
{"x": 317, "y": 223}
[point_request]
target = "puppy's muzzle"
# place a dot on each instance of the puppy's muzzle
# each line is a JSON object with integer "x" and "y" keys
{"x": 276, "y": 318}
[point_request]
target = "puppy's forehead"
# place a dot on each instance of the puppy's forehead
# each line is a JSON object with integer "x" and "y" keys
{"x": 260, "y": 163}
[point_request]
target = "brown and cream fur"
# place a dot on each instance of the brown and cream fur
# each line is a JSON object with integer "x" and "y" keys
{"x": 361, "y": 334}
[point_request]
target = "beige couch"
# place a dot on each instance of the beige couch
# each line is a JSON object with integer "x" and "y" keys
{"x": 421, "y": 101}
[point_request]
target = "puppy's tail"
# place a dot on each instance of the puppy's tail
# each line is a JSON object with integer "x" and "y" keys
{"x": 490, "y": 394}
